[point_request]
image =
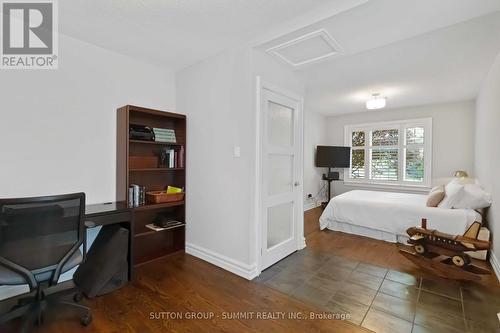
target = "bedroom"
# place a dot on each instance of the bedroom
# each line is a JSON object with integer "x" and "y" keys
{"x": 250, "y": 90}
{"x": 422, "y": 138}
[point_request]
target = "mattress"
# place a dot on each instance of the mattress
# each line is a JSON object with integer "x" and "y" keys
{"x": 387, "y": 215}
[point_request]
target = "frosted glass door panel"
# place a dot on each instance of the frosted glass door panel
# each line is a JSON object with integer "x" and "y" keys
{"x": 279, "y": 224}
{"x": 280, "y": 174}
{"x": 281, "y": 177}
{"x": 280, "y": 122}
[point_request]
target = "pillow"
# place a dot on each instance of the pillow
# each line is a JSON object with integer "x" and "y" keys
{"x": 454, "y": 192}
{"x": 436, "y": 195}
{"x": 474, "y": 197}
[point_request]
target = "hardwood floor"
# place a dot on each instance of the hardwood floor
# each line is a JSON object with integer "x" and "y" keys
{"x": 365, "y": 249}
{"x": 311, "y": 219}
{"x": 183, "y": 284}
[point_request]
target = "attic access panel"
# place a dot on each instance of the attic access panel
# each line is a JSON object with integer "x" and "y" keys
{"x": 306, "y": 49}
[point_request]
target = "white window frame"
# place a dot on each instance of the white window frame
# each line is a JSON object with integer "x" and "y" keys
{"x": 401, "y": 125}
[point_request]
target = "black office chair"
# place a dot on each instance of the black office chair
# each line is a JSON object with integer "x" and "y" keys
{"x": 40, "y": 238}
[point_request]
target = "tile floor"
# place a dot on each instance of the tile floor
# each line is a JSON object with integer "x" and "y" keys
{"x": 384, "y": 300}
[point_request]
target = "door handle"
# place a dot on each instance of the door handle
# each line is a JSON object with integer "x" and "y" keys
{"x": 296, "y": 184}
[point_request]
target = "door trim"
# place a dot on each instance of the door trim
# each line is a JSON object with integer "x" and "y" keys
{"x": 256, "y": 236}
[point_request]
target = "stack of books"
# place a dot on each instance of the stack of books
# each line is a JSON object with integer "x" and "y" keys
{"x": 163, "y": 226}
{"x": 136, "y": 195}
{"x": 172, "y": 158}
{"x": 164, "y": 135}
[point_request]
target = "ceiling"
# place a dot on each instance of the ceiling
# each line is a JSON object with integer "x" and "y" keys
{"x": 441, "y": 66}
{"x": 178, "y": 33}
{"x": 415, "y": 52}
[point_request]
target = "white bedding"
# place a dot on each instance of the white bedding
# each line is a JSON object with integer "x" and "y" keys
{"x": 392, "y": 213}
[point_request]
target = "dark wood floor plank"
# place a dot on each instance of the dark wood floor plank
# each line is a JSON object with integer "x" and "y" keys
{"x": 182, "y": 283}
{"x": 367, "y": 250}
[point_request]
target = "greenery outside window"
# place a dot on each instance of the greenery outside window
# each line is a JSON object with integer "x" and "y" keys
{"x": 396, "y": 153}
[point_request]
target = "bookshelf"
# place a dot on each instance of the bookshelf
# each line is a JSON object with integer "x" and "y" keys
{"x": 151, "y": 245}
{"x": 156, "y": 169}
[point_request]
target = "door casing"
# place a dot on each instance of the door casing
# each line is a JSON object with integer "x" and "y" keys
{"x": 256, "y": 238}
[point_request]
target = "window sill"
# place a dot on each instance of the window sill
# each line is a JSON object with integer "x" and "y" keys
{"x": 400, "y": 187}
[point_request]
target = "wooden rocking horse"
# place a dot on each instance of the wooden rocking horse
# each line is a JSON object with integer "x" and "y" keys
{"x": 443, "y": 254}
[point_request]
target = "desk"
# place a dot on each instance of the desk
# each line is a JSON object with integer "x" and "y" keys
{"x": 113, "y": 213}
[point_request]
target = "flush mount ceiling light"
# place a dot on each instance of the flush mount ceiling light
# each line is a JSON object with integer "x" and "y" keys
{"x": 376, "y": 102}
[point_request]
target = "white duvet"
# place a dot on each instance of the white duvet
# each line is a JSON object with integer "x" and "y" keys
{"x": 394, "y": 212}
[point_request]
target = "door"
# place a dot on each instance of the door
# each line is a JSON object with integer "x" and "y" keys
{"x": 282, "y": 212}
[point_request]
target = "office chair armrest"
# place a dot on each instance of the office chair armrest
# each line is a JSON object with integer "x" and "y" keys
{"x": 90, "y": 224}
{"x": 26, "y": 274}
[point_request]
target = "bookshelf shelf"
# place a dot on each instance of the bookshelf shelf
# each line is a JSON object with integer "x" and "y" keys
{"x": 149, "y": 259}
{"x": 151, "y": 232}
{"x": 156, "y": 143}
{"x": 151, "y": 245}
{"x": 157, "y": 206}
{"x": 156, "y": 169}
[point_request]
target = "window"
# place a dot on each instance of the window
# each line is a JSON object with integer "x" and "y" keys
{"x": 393, "y": 153}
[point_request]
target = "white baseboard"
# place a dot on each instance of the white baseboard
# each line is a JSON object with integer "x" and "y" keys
{"x": 495, "y": 264}
{"x": 303, "y": 244}
{"x": 234, "y": 266}
{"x": 311, "y": 205}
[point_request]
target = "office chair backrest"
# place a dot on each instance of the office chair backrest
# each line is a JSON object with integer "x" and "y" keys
{"x": 40, "y": 234}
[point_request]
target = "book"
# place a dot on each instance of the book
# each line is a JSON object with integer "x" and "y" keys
{"x": 173, "y": 190}
{"x": 163, "y": 130}
{"x": 171, "y": 224}
{"x": 142, "y": 195}
{"x": 131, "y": 196}
{"x": 154, "y": 227}
{"x": 135, "y": 195}
{"x": 166, "y": 140}
{"x": 164, "y": 135}
{"x": 181, "y": 157}
{"x": 171, "y": 161}
{"x": 171, "y": 157}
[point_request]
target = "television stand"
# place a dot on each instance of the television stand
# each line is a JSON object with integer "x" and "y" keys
{"x": 329, "y": 177}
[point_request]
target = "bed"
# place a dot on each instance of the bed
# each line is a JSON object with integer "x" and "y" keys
{"x": 387, "y": 215}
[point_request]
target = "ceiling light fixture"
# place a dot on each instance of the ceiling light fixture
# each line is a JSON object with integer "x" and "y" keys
{"x": 376, "y": 102}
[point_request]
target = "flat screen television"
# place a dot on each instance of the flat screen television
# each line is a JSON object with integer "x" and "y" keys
{"x": 333, "y": 157}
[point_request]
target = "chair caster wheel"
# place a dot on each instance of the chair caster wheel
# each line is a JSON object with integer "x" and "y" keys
{"x": 86, "y": 319}
{"x": 78, "y": 297}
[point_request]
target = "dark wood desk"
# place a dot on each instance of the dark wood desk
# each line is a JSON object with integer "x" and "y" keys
{"x": 114, "y": 213}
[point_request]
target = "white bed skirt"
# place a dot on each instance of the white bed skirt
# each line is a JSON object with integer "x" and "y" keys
{"x": 366, "y": 232}
{"x": 392, "y": 238}
{"x": 388, "y": 215}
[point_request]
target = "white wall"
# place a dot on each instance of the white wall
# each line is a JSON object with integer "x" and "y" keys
{"x": 59, "y": 126}
{"x": 452, "y": 137}
{"x": 315, "y": 134}
{"x": 218, "y": 95}
{"x": 487, "y": 158}
{"x": 215, "y": 95}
